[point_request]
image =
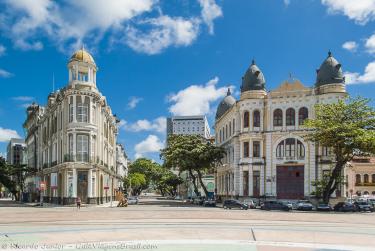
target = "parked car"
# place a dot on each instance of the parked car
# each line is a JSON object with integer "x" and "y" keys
{"x": 304, "y": 205}
{"x": 209, "y": 203}
{"x": 274, "y": 205}
{"x": 363, "y": 206}
{"x": 133, "y": 200}
{"x": 291, "y": 205}
{"x": 198, "y": 201}
{"x": 229, "y": 204}
{"x": 250, "y": 203}
{"x": 324, "y": 207}
{"x": 344, "y": 207}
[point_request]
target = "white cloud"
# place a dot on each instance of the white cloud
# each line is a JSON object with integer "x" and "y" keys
{"x": 7, "y": 134}
{"x": 350, "y": 46}
{"x": 210, "y": 11}
{"x": 157, "y": 125}
{"x": 5, "y": 74}
{"x": 151, "y": 144}
{"x": 23, "y": 98}
{"x": 133, "y": 102}
{"x": 370, "y": 44}
{"x": 2, "y": 50}
{"x": 286, "y": 3}
{"x": 68, "y": 24}
{"x": 165, "y": 32}
{"x": 357, "y": 78}
{"x": 196, "y": 99}
{"x": 361, "y": 11}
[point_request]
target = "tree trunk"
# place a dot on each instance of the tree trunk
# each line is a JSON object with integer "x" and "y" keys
{"x": 201, "y": 182}
{"x": 332, "y": 183}
{"x": 194, "y": 182}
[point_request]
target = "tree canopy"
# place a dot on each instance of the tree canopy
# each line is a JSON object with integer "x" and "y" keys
{"x": 348, "y": 128}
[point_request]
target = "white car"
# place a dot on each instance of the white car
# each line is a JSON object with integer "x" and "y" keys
{"x": 133, "y": 200}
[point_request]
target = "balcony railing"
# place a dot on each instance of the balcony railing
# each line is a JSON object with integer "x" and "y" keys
{"x": 365, "y": 183}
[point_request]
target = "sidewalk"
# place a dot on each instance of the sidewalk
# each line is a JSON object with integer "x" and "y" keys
{"x": 50, "y": 205}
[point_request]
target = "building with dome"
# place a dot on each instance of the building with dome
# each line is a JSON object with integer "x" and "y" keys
{"x": 263, "y": 131}
{"x": 72, "y": 140}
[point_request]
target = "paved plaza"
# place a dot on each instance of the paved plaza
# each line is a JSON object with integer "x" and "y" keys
{"x": 157, "y": 224}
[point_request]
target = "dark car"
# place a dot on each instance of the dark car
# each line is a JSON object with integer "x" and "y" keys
{"x": 304, "y": 205}
{"x": 209, "y": 203}
{"x": 198, "y": 201}
{"x": 345, "y": 207}
{"x": 363, "y": 206}
{"x": 235, "y": 204}
{"x": 324, "y": 207}
{"x": 275, "y": 205}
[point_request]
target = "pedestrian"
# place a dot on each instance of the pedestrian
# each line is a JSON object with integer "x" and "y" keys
{"x": 78, "y": 201}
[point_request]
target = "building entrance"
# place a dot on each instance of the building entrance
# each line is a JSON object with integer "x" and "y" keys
{"x": 290, "y": 182}
{"x": 82, "y": 183}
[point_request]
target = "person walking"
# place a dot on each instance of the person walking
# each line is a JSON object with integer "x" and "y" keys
{"x": 78, "y": 201}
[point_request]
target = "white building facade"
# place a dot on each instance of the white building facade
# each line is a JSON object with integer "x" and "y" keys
{"x": 121, "y": 161}
{"x": 263, "y": 134}
{"x": 72, "y": 140}
{"x": 189, "y": 125}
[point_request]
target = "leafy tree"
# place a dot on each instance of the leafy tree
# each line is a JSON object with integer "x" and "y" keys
{"x": 348, "y": 128}
{"x": 194, "y": 154}
{"x": 137, "y": 181}
{"x": 147, "y": 167}
{"x": 168, "y": 182}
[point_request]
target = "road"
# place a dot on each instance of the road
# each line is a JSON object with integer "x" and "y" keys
{"x": 157, "y": 224}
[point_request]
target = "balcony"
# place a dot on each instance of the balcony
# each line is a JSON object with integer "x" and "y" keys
{"x": 364, "y": 184}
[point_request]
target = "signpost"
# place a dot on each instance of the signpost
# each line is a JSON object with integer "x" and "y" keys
{"x": 42, "y": 188}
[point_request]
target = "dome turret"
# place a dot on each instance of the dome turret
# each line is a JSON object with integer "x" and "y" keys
{"x": 253, "y": 79}
{"x": 225, "y": 104}
{"x": 82, "y": 56}
{"x": 330, "y": 72}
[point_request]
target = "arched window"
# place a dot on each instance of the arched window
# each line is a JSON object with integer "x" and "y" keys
{"x": 373, "y": 178}
{"x": 359, "y": 193}
{"x": 256, "y": 119}
{"x": 246, "y": 119}
{"x": 366, "y": 178}
{"x": 290, "y": 117}
{"x": 290, "y": 148}
{"x": 303, "y": 114}
{"x": 366, "y": 193}
{"x": 373, "y": 193}
{"x": 357, "y": 179}
{"x": 278, "y": 117}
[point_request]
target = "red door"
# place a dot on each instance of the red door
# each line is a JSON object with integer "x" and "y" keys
{"x": 290, "y": 182}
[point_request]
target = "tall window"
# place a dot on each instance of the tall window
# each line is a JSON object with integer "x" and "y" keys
{"x": 82, "y": 148}
{"x": 256, "y": 119}
{"x": 246, "y": 149}
{"x": 82, "y": 112}
{"x": 303, "y": 114}
{"x": 71, "y": 148}
{"x": 357, "y": 178}
{"x": 256, "y": 149}
{"x": 230, "y": 128}
{"x": 373, "y": 178}
{"x": 366, "y": 178}
{"x": 246, "y": 120}
{"x": 290, "y": 148}
{"x": 71, "y": 112}
{"x": 278, "y": 117}
{"x": 290, "y": 117}
{"x": 234, "y": 126}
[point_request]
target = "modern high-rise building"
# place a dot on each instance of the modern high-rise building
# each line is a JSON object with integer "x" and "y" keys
{"x": 188, "y": 125}
{"x": 16, "y": 152}
{"x": 72, "y": 140}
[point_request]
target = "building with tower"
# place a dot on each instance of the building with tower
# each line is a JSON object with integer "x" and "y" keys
{"x": 263, "y": 131}
{"x": 72, "y": 140}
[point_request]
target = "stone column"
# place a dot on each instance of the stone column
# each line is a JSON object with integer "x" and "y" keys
{"x": 89, "y": 183}
{"x": 75, "y": 178}
{"x": 251, "y": 192}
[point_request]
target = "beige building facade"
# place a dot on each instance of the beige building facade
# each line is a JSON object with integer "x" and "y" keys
{"x": 360, "y": 175}
{"x": 262, "y": 132}
{"x": 72, "y": 140}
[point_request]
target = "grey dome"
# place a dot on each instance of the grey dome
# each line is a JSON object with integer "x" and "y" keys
{"x": 253, "y": 79}
{"x": 225, "y": 105}
{"x": 330, "y": 72}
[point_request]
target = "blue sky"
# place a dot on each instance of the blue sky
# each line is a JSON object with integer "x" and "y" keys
{"x": 159, "y": 58}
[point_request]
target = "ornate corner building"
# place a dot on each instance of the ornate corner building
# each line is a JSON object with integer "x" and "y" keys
{"x": 263, "y": 131}
{"x": 72, "y": 140}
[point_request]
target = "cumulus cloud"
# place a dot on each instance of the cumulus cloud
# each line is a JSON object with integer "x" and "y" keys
{"x": 151, "y": 144}
{"x": 286, "y": 3}
{"x": 196, "y": 99}
{"x": 361, "y": 11}
{"x": 370, "y": 44}
{"x": 350, "y": 46}
{"x": 133, "y": 102}
{"x": 7, "y": 134}
{"x": 5, "y": 74}
{"x": 210, "y": 11}
{"x": 139, "y": 24}
{"x": 157, "y": 125}
{"x": 367, "y": 77}
{"x": 165, "y": 31}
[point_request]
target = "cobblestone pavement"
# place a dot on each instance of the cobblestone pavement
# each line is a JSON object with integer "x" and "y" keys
{"x": 157, "y": 224}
